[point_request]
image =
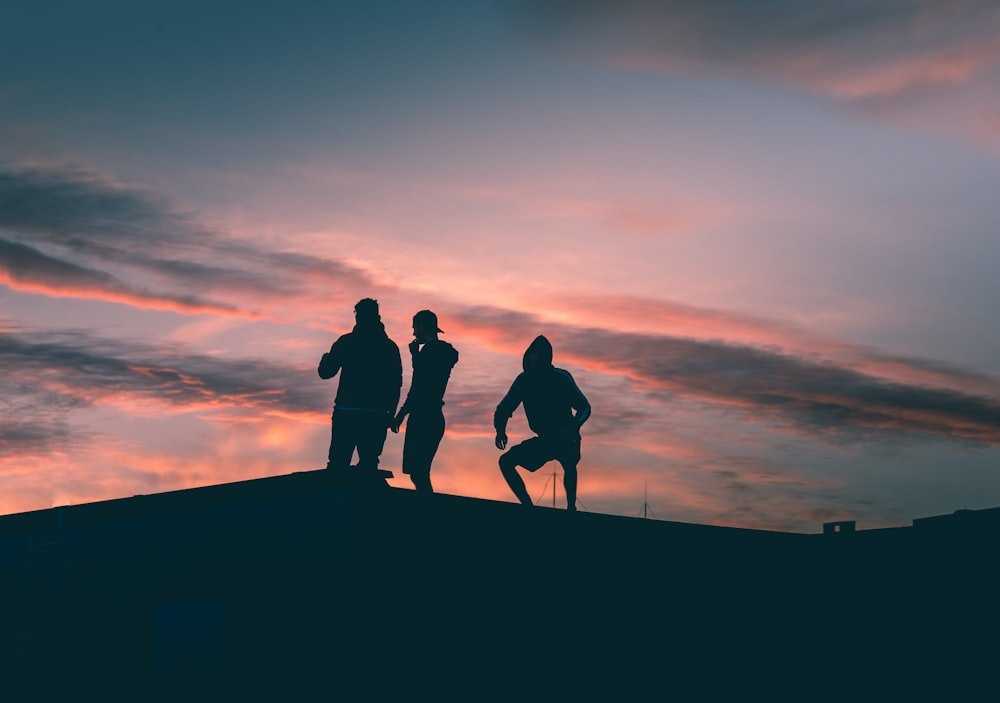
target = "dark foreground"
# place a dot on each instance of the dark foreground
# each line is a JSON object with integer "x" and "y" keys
{"x": 303, "y": 587}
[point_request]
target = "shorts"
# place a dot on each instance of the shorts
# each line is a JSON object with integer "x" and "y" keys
{"x": 424, "y": 431}
{"x": 534, "y": 453}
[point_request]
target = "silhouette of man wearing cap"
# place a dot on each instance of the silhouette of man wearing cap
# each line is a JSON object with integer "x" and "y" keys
{"x": 433, "y": 360}
{"x": 550, "y": 396}
{"x": 371, "y": 376}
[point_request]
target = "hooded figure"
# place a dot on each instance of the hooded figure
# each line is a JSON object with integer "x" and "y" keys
{"x": 555, "y": 408}
{"x": 371, "y": 375}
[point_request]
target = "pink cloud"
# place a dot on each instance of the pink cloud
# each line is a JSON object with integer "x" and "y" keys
{"x": 952, "y": 66}
{"x": 908, "y": 56}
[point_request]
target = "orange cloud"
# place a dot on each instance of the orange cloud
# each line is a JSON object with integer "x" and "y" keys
{"x": 146, "y": 301}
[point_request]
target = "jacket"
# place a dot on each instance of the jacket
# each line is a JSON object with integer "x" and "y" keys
{"x": 549, "y": 395}
{"x": 432, "y": 367}
{"x": 371, "y": 373}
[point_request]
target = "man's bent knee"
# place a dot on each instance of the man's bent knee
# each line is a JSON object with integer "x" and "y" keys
{"x": 507, "y": 463}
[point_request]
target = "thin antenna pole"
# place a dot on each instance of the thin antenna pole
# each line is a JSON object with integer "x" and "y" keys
{"x": 645, "y": 500}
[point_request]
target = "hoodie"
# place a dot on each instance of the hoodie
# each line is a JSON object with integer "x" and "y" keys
{"x": 549, "y": 395}
{"x": 371, "y": 372}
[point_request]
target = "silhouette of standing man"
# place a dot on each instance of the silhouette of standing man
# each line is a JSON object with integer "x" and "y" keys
{"x": 433, "y": 360}
{"x": 371, "y": 376}
{"x": 550, "y": 396}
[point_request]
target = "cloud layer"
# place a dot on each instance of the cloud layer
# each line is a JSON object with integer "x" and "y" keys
{"x": 75, "y": 369}
{"x": 811, "y": 395}
{"x": 67, "y": 233}
{"x": 915, "y": 60}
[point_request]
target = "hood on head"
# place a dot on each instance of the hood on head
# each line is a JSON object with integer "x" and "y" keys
{"x": 543, "y": 348}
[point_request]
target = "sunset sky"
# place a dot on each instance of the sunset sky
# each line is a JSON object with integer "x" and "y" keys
{"x": 763, "y": 237}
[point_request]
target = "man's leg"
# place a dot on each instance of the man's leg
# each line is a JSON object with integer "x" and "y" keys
{"x": 343, "y": 437}
{"x": 423, "y": 435}
{"x": 508, "y": 467}
{"x": 569, "y": 458}
{"x": 371, "y": 439}
{"x": 569, "y": 481}
{"x": 422, "y": 483}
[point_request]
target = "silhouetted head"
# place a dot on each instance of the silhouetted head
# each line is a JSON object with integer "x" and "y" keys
{"x": 366, "y": 310}
{"x": 425, "y": 326}
{"x": 538, "y": 355}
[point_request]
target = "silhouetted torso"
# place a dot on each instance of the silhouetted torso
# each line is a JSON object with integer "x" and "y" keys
{"x": 371, "y": 376}
{"x": 549, "y": 394}
{"x": 431, "y": 370}
{"x": 371, "y": 372}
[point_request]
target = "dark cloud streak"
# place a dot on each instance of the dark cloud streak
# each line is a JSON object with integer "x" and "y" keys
{"x": 75, "y": 369}
{"x": 817, "y": 397}
{"x": 73, "y": 233}
{"x": 32, "y": 270}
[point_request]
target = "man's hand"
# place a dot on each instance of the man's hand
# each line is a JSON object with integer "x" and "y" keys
{"x": 414, "y": 347}
{"x": 501, "y": 440}
{"x": 395, "y": 423}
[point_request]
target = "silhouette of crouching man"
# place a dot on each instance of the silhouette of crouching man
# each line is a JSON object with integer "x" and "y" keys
{"x": 550, "y": 396}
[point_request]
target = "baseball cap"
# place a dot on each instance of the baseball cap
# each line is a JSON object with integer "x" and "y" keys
{"x": 428, "y": 318}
